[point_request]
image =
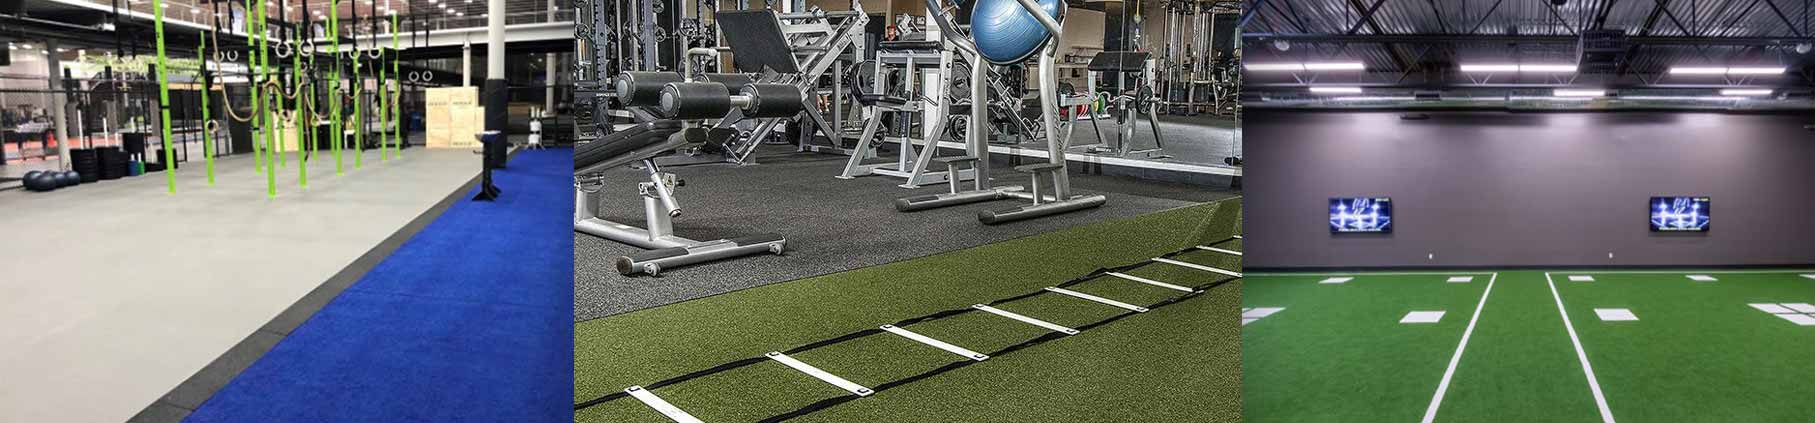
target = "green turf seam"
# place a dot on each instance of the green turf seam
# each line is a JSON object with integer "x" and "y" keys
{"x": 817, "y": 406}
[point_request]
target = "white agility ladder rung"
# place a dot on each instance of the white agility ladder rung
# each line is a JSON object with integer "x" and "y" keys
{"x": 1219, "y": 250}
{"x": 1198, "y": 267}
{"x": 1104, "y": 301}
{"x": 822, "y": 375}
{"x": 660, "y": 405}
{"x": 1028, "y": 320}
{"x": 1150, "y": 282}
{"x": 954, "y": 349}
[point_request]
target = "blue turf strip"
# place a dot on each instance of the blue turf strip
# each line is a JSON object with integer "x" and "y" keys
{"x": 469, "y": 320}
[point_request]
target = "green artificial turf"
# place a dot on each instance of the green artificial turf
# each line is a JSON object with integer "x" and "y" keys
{"x": 1697, "y": 352}
{"x": 1180, "y": 362}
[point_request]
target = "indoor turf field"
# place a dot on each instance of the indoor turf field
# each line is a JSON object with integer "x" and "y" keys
{"x": 707, "y": 356}
{"x": 1530, "y": 346}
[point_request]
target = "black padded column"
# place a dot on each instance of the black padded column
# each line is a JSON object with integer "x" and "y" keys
{"x": 496, "y": 99}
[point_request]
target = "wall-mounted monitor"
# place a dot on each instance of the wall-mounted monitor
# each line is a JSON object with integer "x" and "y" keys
{"x": 1679, "y": 214}
{"x": 1361, "y": 215}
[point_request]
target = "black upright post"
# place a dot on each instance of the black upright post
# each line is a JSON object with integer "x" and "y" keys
{"x": 496, "y": 99}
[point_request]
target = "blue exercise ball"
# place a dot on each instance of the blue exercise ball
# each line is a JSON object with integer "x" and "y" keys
{"x": 1006, "y": 33}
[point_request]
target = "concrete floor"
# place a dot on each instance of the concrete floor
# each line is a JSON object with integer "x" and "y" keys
{"x": 117, "y": 291}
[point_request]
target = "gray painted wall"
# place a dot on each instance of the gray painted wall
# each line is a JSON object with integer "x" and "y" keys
{"x": 1529, "y": 189}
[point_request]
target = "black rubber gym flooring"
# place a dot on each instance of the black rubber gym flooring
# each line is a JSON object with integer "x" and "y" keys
{"x": 831, "y": 224}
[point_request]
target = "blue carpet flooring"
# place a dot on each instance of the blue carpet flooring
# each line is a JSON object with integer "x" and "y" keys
{"x": 469, "y": 320}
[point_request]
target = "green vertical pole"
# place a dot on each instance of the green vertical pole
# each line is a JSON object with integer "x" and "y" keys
{"x": 334, "y": 86}
{"x": 396, "y": 108}
{"x": 264, "y": 117}
{"x": 157, "y": 6}
{"x": 207, "y": 136}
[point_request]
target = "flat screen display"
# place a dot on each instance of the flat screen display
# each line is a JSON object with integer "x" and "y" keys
{"x": 1361, "y": 215}
{"x": 1679, "y": 214}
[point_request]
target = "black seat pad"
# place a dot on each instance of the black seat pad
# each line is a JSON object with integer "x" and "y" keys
{"x": 623, "y": 142}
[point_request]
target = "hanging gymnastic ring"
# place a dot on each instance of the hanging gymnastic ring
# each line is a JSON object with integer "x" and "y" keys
{"x": 211, "y": 126}
{"x": 375, "y": 53}
{"x": 415, "y": 76}
{"x": 284, "y": 49}
{"x": 428, "y": 76}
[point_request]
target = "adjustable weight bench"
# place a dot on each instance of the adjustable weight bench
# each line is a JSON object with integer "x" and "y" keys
{"x": 644, "y": 142}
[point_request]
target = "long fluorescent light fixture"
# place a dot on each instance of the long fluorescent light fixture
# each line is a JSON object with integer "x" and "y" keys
{"x": 1518, "y": 68}
{"x": 1579, "y": 93}
{"x": 1296, "y": 67}
{"x": 1726, "y": 71}
{"x": 1743, "y": 92}
{"x": 1336, "y": 90}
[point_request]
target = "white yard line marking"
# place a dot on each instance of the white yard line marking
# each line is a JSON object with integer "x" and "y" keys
{"x": 1798, "y": 319}
{"x": 1702, "y": 278}
{"x": 1594, "y": 385}
{"x": 822, "y": 375}
{"x": 1443, "y": 386}
{"x": 1028, "y": 320}
{"x": 1256, "y": 313}
{"x": 1198, "y": 267}
{"x": 1150, "y": 282}
{"x": 1810, "y": 276}
{"x": 661, "y": 406}
{"x": 1581, "y": 278}
{"x": 1337, "y": 279}
{"x": 1771, "y": 308}
{"x": 1219, "y": 250}
{"x": 1461, "y": 279}
{"x": 1422, "y": 317}
{"x": 1800, "y": 307}
{"x": 1615, "y": 315}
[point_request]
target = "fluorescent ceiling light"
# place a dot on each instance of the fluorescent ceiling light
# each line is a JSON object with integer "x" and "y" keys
{"x": 1315, "y": 66}
{"x": 1275, "y": 66}
{"x": 1744, "y": 92}
{"x": 1698, "y": 71}
{"x": 1336, "y": 90}
{"x": 1371, "y": 98}
{"x": 1754, "y": 71}
{"x": 1490, "y": 68}
{"x": 1579, "y": 93}
{"x": 1335, "y": 66}
{"x": 1547, "y": 68}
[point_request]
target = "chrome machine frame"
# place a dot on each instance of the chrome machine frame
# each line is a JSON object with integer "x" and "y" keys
{"x": 1061, "y": 198}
